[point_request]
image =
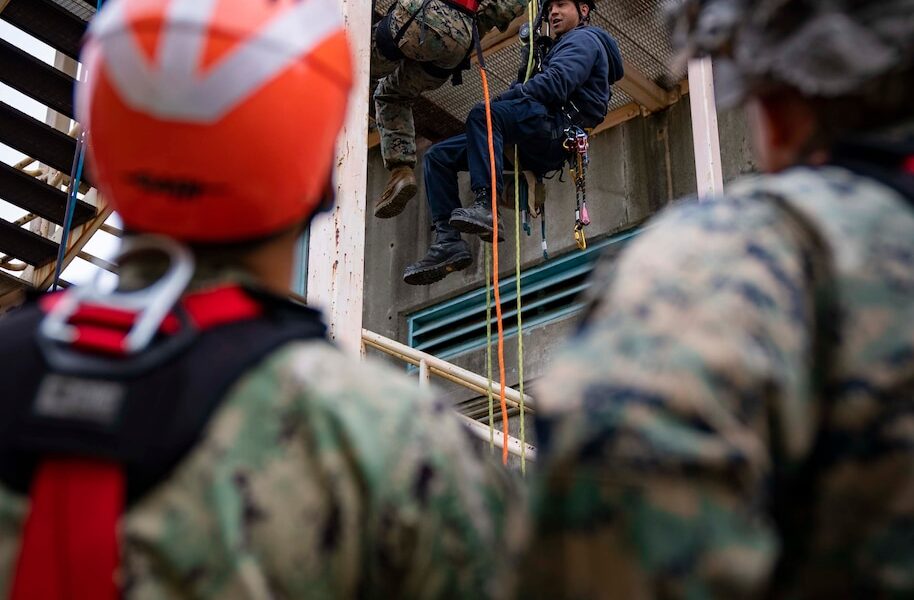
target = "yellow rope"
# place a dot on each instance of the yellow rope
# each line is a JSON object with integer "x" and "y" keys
{"x": 488, "y": 258}
{"x": 517, "y": 263}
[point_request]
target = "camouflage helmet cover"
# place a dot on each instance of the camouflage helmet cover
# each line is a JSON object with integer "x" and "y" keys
{"x": 822, "y": 48}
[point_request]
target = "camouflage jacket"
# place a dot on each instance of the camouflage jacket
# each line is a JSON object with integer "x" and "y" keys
{"x": 499, "y": 14}
{"x": 448, "y": 21}
{"x": 320, "y": 476}
{"x": 736, "y": 417}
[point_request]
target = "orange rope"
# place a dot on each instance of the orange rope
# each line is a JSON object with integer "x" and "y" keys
{"x": 498, "y": 316}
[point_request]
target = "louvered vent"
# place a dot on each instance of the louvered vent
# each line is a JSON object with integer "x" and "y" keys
{"x": 550, "y": 292}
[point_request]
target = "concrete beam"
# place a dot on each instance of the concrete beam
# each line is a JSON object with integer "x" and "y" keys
{"x": 336, "y": 253}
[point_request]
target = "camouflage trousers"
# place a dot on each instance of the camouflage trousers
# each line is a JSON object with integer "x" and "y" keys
{"x": 439, "y": 36}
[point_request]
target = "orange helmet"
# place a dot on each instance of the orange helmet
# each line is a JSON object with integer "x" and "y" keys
{"x": 214, "y": 120}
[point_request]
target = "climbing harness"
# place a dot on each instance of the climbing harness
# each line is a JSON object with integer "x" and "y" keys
{"x": 111, "y": 392}
{"x": 577, "y": 143}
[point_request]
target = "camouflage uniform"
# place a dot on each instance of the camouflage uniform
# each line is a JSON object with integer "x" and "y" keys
{"x": 735, "y": 417}
{"x": 320, "y": 476}
{"x": 440, "y": 36}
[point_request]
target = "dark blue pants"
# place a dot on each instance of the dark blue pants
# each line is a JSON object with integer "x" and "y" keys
{"x": 522, "y": 121}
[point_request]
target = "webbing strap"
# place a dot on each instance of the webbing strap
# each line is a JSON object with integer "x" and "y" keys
{"x": 69, "y": 545}
{"x": 69, "y": 548}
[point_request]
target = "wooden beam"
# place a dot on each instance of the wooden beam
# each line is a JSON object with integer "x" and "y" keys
{"x": 98, "y": 262}
{"x": 617, "y": 117}
{"x": 3, "y": 4}
{"x": 644, "y": 91}
{"x": 374, "y": 139}
{"x": 78, "y": 238}
{"x": 497, "y": 40}
{"x": 336, "y": 253}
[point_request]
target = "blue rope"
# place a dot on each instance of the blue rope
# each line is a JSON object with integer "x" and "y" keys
{"x": 76, "y": 174}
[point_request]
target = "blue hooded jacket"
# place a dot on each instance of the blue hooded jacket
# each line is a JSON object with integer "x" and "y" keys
{"x": 578, "y": 71}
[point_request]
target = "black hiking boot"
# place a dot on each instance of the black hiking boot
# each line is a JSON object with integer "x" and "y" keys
{"x": 478, "y": 218}
{"x": 449, "y": 253}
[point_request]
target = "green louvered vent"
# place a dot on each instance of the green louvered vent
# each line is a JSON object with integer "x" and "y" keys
{"x": 550, "y": 292}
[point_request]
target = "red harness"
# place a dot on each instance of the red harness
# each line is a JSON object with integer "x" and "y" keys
{"x": 70, "y": 545}
{"x": 471, "y": 6}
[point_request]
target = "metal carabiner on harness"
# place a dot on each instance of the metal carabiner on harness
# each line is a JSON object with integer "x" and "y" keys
{"x": 580, "y": 238}
{"x": 577, "y": 144}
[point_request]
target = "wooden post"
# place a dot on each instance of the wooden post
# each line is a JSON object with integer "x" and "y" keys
{"x": 336, "y": 257}
{"x": 424, "y": 375}
{"x": 704, "y": 129}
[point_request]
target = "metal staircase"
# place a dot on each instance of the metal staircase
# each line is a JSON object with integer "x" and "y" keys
{"x": 29, "y": 247}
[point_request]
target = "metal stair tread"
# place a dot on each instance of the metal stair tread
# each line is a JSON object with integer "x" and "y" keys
{"x": 49, "y": 22}
{"x": 36, "y": 79}
{"x": 36, "y": 197}
{"x": 25, "y": 245}
{"x": 36, "y": 139}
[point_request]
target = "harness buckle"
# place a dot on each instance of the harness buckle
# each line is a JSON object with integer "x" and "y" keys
{"x": 151, "y": 305}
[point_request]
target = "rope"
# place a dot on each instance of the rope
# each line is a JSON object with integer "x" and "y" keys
{"x": 517, "y": 261}
{"x": 494, "y": 192}
{"x": 72, "y": 196}
{"x": 488, "y": 258}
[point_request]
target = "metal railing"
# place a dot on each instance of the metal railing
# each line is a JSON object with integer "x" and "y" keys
{"x": 429, "y": 365}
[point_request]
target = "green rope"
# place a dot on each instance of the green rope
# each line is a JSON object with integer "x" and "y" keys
{"x": 520, "y": 323}
{"x": 488, "y": 261}
{"x": 517, "y": 268}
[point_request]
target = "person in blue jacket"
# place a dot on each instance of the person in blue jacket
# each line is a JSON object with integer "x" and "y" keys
{"x": 573, "y": 88}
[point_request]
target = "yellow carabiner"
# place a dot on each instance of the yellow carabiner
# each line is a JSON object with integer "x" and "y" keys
{"x": 580, "y": 237}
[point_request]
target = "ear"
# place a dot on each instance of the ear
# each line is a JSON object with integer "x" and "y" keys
{"x": 784, "y": 124}
{"x": 584, "y": 9}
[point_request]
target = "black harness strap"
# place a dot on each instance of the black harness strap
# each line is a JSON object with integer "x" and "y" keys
{"x": 149, "y": 421}
{"x": 388, "y": 43}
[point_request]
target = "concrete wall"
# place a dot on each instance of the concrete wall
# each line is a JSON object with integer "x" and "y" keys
{"x": 636, "y": 169}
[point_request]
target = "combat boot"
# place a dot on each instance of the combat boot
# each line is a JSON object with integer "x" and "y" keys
{"x": 401, "y": 187}
{"x": 478, "y": 218}
{"x": 449, "y": 253}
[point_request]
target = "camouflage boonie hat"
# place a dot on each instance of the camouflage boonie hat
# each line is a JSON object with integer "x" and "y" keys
{"x": 822, "y": 48}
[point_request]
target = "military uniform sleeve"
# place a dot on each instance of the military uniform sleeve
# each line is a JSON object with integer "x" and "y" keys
{"x": 438, "y": 521}
{"x": 498, "y": 14}
{"x": 658, "y": 424}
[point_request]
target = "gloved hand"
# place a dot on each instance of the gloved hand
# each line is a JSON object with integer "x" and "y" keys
{"x": 512, "y": 93}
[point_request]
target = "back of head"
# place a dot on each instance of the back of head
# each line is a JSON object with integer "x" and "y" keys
{"x": 214, "y": 121}
{"x": 854, "y": 59}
